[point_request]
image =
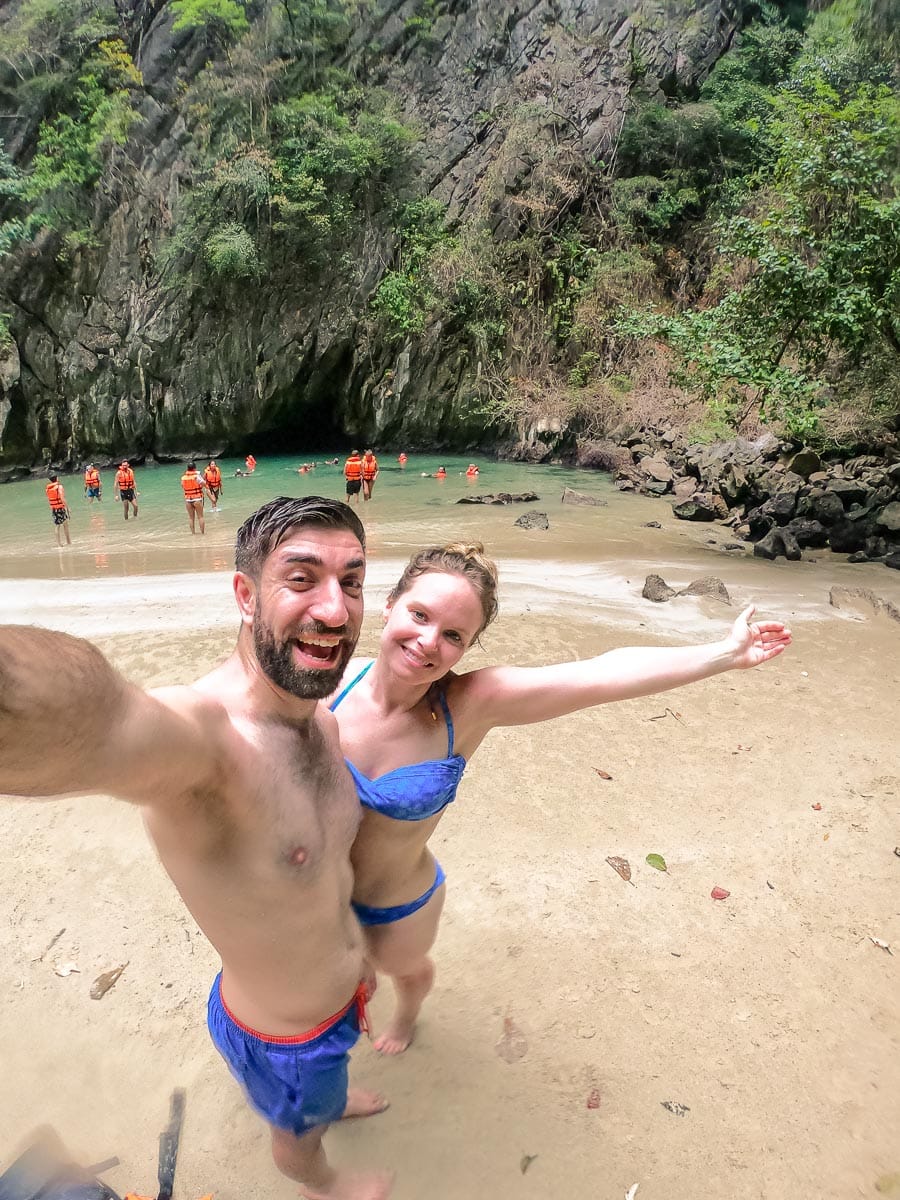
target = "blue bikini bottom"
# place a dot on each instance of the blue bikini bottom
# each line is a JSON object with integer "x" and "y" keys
{"x": 387, "y": 916}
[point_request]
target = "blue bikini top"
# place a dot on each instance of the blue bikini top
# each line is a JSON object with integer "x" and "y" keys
{"x": 414, "y": 792}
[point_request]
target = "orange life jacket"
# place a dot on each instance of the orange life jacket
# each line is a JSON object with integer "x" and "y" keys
{"x": 191, "y": 485}
{"x": 472, "y": 473}
{"x": 92, "y": 478}
{"x": 124, "y": 478}
{"x": 213, "y": 476}
{"x": 55, "y": 496}
{"x": 369, "y": 466}
{"x": 249, "y": 462}
{"x": 353, "y": 467}
{"x": 441, "y": 474}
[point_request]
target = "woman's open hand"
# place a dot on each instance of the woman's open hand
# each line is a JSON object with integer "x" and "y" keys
{"x": 755, "y": 642}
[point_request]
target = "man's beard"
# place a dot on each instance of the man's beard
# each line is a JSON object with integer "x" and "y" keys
{"x": 276, "y": 661}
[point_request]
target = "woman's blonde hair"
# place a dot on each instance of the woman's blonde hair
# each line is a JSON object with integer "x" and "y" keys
{"x": 467, "y": 559}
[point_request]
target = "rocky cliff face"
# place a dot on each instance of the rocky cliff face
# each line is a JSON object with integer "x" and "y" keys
{"x": 111, "y": 354}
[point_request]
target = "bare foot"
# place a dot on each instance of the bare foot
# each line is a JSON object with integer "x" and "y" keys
{"x": 354, "y": 1185}
{"x": 411, "y": 989}
{"x": 362, "y": 1103}
{"x": 396, "y": 1038}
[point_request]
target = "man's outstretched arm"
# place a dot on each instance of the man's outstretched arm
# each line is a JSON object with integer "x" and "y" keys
{"x": 69, "y": 722}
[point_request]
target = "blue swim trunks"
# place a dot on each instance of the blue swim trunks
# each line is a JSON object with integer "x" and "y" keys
{"x": 295, "y": 1083}
{"x": 367, "y": 915}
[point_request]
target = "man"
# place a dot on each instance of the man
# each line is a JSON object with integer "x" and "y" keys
{"x": 125, "y": 488}
{"x": 353, "y": 475}
{"x": 213, "y": 477}
{"x": 92, "y": 486}
{"x": 59, "y": 509}
{"x": 250, "y": 806}
{"x": 369, "y": 473}
{"x": 193, "y": 487}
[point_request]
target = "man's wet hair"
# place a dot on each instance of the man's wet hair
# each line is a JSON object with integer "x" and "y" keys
{"x": 192, "y": 466}
{"x": 54, "y": 478}
{"x": 267, "y": 528}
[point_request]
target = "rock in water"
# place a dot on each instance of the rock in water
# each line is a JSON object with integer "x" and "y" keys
{"x": 570, "y": 496}
{"x": 532, "y": 520}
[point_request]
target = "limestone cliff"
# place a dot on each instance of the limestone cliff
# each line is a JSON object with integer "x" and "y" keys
{"x": 113, "y": 352}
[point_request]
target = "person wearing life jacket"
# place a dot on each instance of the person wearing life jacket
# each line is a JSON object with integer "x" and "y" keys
{"x": 250, "y": 464}
{"x": 471, "y": 471}
{"x": 353, "y": 475}
{"x": 194, "y": 485}
{"x": 402, "y": 459}
{"x": 57, "y": 500}
{"x": 441, "y": 473}
{"x": 125, "y": 487}
{"x": 213, "y": 477}
{"x": 92, "y": 486}
{"x": 369, "y": 473}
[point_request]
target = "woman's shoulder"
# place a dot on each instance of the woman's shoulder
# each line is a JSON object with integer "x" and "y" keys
{"x": 352, "y": 671}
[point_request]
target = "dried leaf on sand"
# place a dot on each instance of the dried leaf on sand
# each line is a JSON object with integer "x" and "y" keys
{"x": 621, "y": 866}
{"x": 104, "y": 982}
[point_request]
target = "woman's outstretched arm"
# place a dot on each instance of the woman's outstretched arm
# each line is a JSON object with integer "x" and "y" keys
{"x": 523, "y": 695}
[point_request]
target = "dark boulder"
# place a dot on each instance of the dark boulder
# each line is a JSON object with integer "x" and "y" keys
{"x": 700, "y": 507}
{"x": 847, "y": 537}
{"x": 805, "y": 463}
{"x": 808, "y": 532}
{"x": 533, "y": 520}
{"x": 656, "y": 589}
{"x": 893, "y": 561}
{"x": 759, "y": 522}
{"x": 734, "y": 484}
{"x": 777, "y": 481}
{"x": 782, "y": 507}
{"x": 849, "y": 491}
{"x": 821, "y": 506}
{"x": 777, "y": 542}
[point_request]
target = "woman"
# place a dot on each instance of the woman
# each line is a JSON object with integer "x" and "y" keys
{"x": 409, "y": 725}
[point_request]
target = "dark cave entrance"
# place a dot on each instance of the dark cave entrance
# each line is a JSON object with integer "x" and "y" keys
{"x": 310, "y": 414}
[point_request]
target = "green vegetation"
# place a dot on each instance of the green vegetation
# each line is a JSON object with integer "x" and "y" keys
{"x": 738, "y": 262}
{"x": 225, "y": 20}
{"x": 732, "y": 257}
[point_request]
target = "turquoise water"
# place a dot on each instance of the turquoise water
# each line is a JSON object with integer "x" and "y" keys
{"x": 406, "y": 510}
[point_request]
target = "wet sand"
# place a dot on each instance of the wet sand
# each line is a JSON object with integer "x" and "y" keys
{"x": 771, "y": 1015}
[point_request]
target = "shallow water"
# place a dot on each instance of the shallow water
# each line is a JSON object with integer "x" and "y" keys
{"x": 590, "y": 565}
{"x": 406, "y": 510}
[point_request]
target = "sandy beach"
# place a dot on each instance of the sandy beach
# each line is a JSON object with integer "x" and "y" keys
{"x": 771, "y": 1017}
